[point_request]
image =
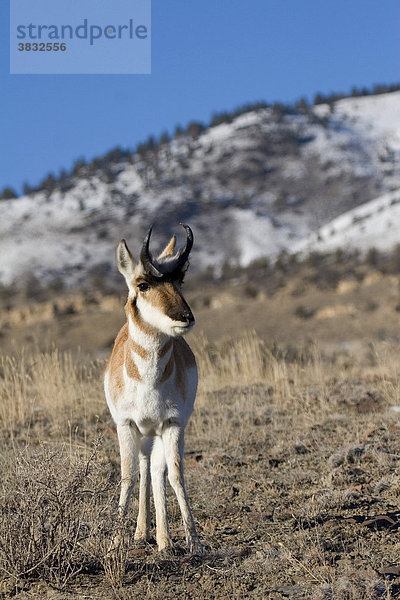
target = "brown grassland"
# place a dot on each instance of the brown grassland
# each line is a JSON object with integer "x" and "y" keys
{"x": 292, "y": 454}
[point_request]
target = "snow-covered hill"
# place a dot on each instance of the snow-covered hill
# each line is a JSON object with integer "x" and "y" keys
{"x": 265, "y": 182}
{"x": 374, "y": 224}
{"x": 373, "y": 123}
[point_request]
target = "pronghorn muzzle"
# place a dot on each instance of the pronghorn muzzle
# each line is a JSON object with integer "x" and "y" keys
{"x": 183, "y": 314}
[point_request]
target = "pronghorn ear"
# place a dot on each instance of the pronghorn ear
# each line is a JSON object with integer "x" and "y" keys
{"x": 125, "y": 262}
{"x": 169, "y": 248}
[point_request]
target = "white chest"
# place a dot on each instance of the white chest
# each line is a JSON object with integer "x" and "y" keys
{"x": 146, "y": 405}
{"x": 150, "y": 406}
{"x": 154, "y": 385}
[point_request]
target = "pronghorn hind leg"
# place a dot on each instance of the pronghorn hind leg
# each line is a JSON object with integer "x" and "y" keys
{"x": 173, "y": 441}
{"x": 142, "y": 533}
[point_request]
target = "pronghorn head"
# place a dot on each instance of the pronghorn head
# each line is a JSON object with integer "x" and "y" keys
{"x": 154, "y": 285}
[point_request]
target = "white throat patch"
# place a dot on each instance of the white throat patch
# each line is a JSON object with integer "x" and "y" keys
{"x": 156, "y": 318}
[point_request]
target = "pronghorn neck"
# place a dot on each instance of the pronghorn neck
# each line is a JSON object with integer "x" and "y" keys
{"x": 142, "y": 332}
{"x": 148, "y": 352}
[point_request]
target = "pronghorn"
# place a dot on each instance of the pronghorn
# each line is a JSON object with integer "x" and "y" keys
{"x": 150, "y": 385}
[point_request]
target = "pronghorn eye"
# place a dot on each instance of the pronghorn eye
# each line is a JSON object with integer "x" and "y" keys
{"x": 143, "y": 287}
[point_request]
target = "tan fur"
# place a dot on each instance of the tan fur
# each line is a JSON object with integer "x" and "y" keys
{"x": 121, "y": 356}
{"x": 164, "y": 296}
{"x": 131, "y": 368}
{"x": 115, "y": 363}
{"x": 137, "y": 349}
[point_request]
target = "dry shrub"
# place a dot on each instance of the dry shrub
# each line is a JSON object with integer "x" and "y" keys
{"x": 114, "y": 556}
{"x": 54, "y": 514}
{"x": 364, "y": 585}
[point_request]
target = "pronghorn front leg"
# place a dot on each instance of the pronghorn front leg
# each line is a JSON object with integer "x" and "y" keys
{"x": 129, "y": 450}
{"x": 158, "y": 469}
{"x": 142, "y": 533}
{"x": 173, "y": 441}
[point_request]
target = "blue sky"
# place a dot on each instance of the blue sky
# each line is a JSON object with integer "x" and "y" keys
{"x": 206, "y": 56}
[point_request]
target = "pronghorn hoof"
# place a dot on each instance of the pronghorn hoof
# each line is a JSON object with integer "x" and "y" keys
{"x": 141, "y": 537}
{"x": 196, "y": 548}
{"x": 168, "y": 551}
{"x": 140, "y": 543}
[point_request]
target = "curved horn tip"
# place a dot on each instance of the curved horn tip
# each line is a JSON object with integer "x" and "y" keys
{"x": 188, "y": 230}
{"x": 148, "y": 234}
{"x": 183, "y": 254}
{"x": 146, "y": 238}
{"x": 146, "y": 257}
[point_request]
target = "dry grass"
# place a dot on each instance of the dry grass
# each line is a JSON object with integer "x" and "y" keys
{"x": 288, "y": 455}
{"x": 48, "y": 391}
{"x": 388, "y": 369}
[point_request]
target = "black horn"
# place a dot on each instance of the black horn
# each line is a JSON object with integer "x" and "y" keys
{"x": 146, "y": 258}
{"x": 184, "y": 253}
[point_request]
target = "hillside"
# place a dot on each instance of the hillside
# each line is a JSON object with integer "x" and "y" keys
{"x": 251, "y": 187}
{"x": 371, "y": 225}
